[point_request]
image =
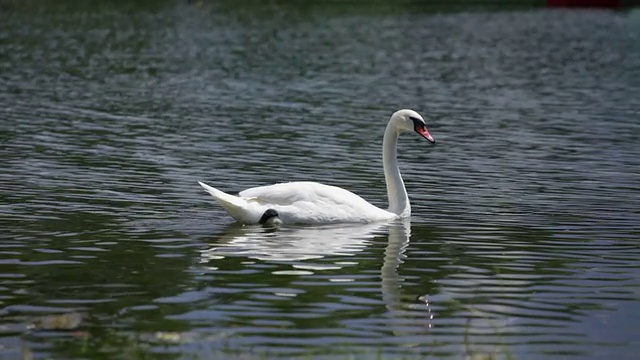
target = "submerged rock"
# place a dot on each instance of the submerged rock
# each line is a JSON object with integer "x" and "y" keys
{"x": 68, "y": 321}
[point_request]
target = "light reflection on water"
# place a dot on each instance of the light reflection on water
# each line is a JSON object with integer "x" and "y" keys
{"x": 525, "y": 215}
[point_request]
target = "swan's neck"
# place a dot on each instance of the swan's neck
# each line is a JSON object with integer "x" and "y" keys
{"x": 398, "y": 199}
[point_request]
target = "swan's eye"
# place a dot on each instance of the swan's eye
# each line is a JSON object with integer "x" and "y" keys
{"x": 421, "y": 128}
{"x": 417, "y": 123}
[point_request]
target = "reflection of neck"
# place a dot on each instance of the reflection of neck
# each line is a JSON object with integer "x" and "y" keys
{"x": 399, "y": 234}
{"x": 398, "y": 199}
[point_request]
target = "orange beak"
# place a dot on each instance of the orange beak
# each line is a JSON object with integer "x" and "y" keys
{"x": 422, "y": 130}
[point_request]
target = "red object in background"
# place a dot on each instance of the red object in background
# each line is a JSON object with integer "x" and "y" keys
{"x": 584, "y": 3}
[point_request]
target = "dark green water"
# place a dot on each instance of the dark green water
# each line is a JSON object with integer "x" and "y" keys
{"x": 525, "y": 236}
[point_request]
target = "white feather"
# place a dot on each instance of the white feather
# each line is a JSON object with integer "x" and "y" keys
{"x": 299, "y": 203}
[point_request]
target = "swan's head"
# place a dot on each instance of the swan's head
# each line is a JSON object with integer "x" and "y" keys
{"x": 409, "y": 120}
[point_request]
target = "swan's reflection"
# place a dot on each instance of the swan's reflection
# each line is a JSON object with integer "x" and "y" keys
{"x": 292, "y": 244}
{"x": 398, "y": 312}
{"x": 399, "y": 234}
{"x": 307, "y": 243}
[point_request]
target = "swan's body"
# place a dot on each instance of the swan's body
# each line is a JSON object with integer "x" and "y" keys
{"x": 299, "y": 202}
{"x": 315, "y": 203}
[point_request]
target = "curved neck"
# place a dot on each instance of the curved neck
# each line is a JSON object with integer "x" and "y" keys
{"x": 398, "y": 199}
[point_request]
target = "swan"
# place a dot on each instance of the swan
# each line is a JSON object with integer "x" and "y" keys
{"x": 305, "y": 202}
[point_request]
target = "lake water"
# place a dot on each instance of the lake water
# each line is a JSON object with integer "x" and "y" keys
{"x": 525, "y": 235}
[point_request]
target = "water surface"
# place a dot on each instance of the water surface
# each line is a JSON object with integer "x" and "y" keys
{"x": 524, "y": 235}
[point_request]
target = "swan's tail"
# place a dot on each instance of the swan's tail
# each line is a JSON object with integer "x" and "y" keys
{"x": 235, "y": 206}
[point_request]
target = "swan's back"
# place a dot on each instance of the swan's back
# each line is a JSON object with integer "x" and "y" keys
{"x": 313, "y": 202}
{"x": 291, "y": 192}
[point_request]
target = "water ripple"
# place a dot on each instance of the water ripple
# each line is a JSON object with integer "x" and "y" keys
{"x": 525, "y": 215}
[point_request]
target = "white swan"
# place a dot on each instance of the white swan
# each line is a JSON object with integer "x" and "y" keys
{"x": 314, "y": 203}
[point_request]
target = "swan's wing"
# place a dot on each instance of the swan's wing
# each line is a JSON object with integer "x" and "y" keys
{"x": 290, "y": 193}
{"x": 310, "y": 202}
{"x": 279, "y": 194}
